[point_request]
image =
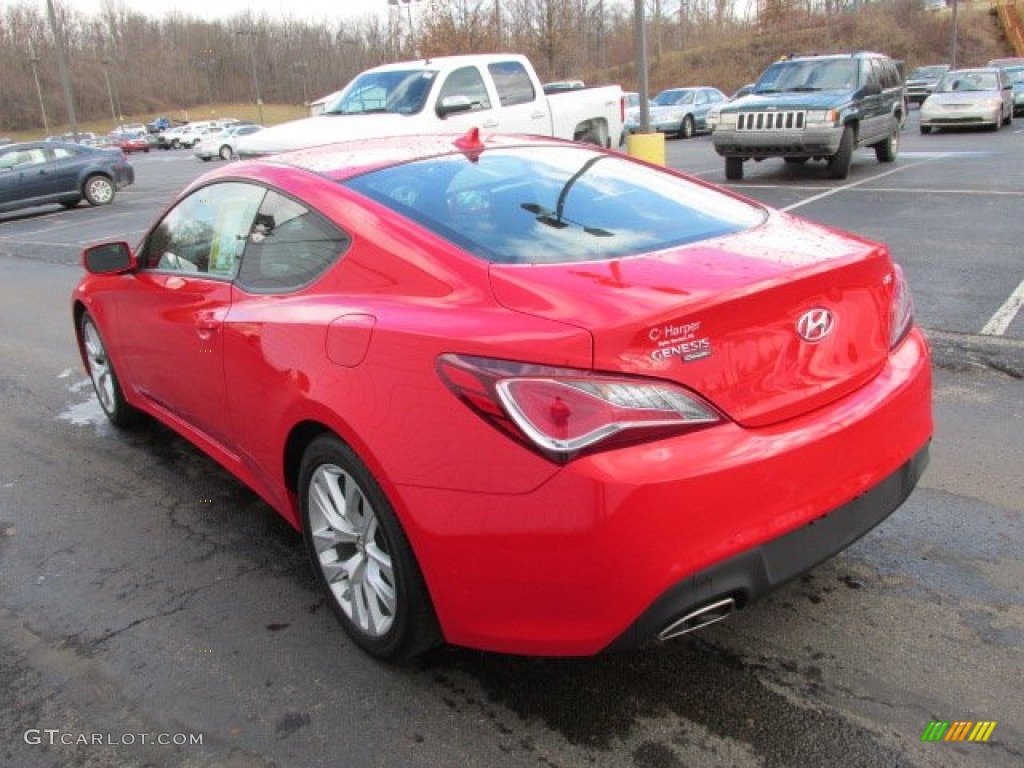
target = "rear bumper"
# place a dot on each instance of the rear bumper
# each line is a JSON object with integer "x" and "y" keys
{"x": 124, "y": 176}
{"x": 596, "y": 555}
{"x": 757, "y": 571}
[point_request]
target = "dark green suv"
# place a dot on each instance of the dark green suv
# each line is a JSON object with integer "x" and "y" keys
{"x": 815, "y": 107}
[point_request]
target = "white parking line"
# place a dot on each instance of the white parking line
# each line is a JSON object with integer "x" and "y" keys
{"x": 1000, "y": 321}
{"x": 846, "y": 187}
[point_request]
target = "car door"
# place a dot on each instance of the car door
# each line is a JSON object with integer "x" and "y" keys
{"x": 874, "y": 119}
{"x": 68, "y": 162}
{"x": 173, "y": 310}
{"x": 26, "y": 175}
{"x": 522, "y": 108}
{"x": 465, "y": 92}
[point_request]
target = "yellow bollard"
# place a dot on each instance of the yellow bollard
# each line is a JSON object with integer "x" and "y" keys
{"x": 647, "y": 146}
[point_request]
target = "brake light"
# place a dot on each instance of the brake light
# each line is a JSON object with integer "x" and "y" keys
{"x": 901, "y": 312}
{"x": 562, "y": 412}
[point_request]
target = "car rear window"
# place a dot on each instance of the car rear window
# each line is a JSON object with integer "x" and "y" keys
{"x": 550, "y": 205}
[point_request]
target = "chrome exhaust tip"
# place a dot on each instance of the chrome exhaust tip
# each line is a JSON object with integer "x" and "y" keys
{"x": 698, "y": 619}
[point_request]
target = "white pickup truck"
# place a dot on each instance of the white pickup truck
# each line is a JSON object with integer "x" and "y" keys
{"x": 496, "y": 93}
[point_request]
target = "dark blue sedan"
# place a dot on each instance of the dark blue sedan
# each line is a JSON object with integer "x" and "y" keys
{"x": 44, "y": 172}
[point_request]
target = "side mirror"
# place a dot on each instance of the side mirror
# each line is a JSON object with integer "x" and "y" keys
{"x": 109, "y": 259}
{"x": 450, "y": 105}
{"x": 872, "y": 89}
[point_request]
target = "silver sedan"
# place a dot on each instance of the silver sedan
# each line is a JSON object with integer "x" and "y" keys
{"x": 969, "y": 97}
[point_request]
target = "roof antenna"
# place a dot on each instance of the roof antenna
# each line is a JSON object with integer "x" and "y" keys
{"x": 470, "y": 143}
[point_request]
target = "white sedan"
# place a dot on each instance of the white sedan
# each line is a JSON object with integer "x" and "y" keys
{"x": 223, "y": 143}
{"x": 969, "y": 97}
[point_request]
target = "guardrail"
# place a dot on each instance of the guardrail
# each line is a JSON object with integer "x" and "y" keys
{"x": 1011, "y": 16}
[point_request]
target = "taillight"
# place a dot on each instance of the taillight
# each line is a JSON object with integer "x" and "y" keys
{"x": 901, "y": 312}
{"x": 563, "y": 412}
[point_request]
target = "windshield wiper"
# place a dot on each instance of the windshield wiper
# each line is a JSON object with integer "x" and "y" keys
{"x": 803, "y": 89}
{"x": 556, "y": 220}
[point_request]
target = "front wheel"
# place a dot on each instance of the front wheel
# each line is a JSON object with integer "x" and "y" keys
{"x": 734, "y": 168}
{"x": 99, "y": 190}
{"x": 362, "y": 558}
{"x": 925, "y": 130}
{"x": 226, "y": 153}
{"x": 104, "y": 378}
{"x": 839, "y": 163}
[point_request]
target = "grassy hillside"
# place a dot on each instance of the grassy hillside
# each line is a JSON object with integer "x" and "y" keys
{"x": 729, "y": 57}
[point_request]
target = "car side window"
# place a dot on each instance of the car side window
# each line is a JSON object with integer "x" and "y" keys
{"x": 62, "y": 154}
{"x": 467, "y": 83}
{"x": 22, "y": 159}
{"x": 205, "y": 233}
{"x": 701, "y": 98}
{"x": 288, "y": 247}
{"x": 871, "y": 72}
{"x": 512, "y": 82}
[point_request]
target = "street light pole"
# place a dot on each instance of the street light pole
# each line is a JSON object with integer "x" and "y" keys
{"x": 252, "y": 61}
{"x": 62, "y": 66}
{"x": 39, "y": 91}
{"x": 953, "y": 42}
{"x": 110, "y": 91}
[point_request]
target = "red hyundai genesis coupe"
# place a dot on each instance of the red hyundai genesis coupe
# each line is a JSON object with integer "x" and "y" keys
{"x": 518, "y": 394}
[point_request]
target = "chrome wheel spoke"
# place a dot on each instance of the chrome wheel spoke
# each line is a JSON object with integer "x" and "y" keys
{"x": 352, "y": 553}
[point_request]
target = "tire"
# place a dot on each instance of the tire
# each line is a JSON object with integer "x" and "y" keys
{"x": 887, "y": 150}
{"x": 839, "y": 163}
{"x": 104, "y": 377}
{"x": 687, "y": 128}
{"x": 734, "y": 168}
{"x": 226, "y": 153}
{"x": 925, "y": 130}
{"x": 175, "y": 144}
{"x": 99, "y": 190}
{"x": 361, "y": 556}
{"x": 1008, "y": 120}
{"x": 796, "y": 160}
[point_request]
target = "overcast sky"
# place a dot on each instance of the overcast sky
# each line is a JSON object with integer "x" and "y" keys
{"x": 311, "y": 10}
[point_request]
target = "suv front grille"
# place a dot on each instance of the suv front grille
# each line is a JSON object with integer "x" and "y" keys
{"x": 770, "y": 121}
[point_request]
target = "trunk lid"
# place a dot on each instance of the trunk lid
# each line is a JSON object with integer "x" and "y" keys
{"x": 722, "y": 317}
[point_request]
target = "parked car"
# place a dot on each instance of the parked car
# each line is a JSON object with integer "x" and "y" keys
{"x": 158, "y": 124}
{"x": 682, "y": 112}
{"x": 450, "y": 94}
{"x": 969, "y": 98}
{"x": 223, "y": 142}
{"x": 815, "y": 107}
{"x": 132, "y": 129}
{"x": 1016, "y": 75}
{"x": 1008, "y": 61}
{"x": 922, "y": 82}
{"x": 519, "y": 394}
{"x": 130, "y": 142}
{"x": 44, "y": 172}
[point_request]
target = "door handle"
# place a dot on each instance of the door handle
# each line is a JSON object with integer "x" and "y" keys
{"x": 490, "y": 124}
{"x": 538, "y": 115}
